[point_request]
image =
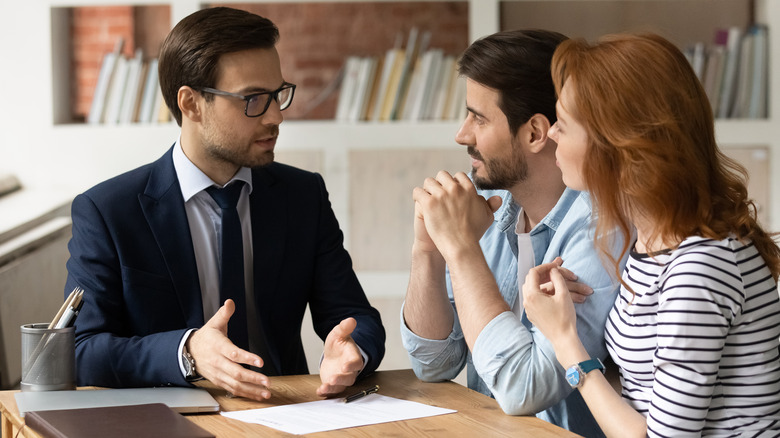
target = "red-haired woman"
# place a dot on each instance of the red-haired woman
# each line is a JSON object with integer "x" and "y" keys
{"x": 695, "y": 327}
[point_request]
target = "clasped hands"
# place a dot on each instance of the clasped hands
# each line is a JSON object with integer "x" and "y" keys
{"x": 218, "y": 360}
{"x": 449, "y": 214}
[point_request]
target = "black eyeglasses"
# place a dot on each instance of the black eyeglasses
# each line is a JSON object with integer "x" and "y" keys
{"x": 255, "y": 105}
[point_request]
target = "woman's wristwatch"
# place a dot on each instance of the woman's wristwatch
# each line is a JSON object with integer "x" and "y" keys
{"x": 575, "y": 374}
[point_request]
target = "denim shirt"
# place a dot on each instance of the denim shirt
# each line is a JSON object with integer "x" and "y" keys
{"x": 512, "y": 360}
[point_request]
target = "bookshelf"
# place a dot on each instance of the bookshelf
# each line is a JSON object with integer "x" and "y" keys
{"x": 46, "y": 152}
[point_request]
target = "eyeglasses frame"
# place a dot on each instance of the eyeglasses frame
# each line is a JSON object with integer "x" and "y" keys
{"x": 247, "y": 98}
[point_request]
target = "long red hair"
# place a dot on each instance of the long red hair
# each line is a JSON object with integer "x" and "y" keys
{"x": 651, "y": 145}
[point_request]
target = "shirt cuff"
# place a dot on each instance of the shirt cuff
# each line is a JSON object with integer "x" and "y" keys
{"x": 428, "y": 350}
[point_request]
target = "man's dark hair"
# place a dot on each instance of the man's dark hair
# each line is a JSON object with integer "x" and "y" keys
{"x": 190, "y": 53}
{"x": 516, "y": 63}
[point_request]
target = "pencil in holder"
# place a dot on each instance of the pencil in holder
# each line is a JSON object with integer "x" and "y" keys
{"x": 48, "y": 358}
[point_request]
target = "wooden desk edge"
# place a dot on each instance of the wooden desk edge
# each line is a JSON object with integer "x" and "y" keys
{"x": 474, "y": 409}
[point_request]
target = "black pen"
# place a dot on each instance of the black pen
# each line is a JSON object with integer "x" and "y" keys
{"x": 361, "y": 394}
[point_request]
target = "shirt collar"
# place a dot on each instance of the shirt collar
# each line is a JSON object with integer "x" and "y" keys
{"x": 192, "y": 180}
{"x": 562, "y": 207}
{"x": 508, "y": 213}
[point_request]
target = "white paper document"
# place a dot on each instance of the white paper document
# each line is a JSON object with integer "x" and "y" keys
{"x": 331, "y": 414}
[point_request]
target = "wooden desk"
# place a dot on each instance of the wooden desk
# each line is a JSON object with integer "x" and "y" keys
{"x": 478, "y": 415}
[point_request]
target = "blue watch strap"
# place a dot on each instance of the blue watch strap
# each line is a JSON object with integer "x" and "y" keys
{"x": 591, "y": 364}
{"x": 575, "y": 374}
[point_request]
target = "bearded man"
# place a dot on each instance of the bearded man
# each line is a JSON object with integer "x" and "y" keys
{"x": 463, "y": 305}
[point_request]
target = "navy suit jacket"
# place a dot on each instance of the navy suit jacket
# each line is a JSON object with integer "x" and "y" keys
{"x": 132, "y": 253}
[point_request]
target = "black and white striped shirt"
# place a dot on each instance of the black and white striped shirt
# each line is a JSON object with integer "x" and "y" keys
{"x": 697, "y": 345}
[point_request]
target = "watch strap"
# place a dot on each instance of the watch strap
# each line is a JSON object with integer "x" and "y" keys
{"x": 591, "y": 364}
{"x": 576, "y": 373}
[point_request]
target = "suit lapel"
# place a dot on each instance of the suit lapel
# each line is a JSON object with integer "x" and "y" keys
{"x": 163, "y": 207}
{"x": 268, "y": 208}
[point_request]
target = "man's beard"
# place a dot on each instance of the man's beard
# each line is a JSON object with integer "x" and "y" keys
{"x": 501, "y": 174}
{"x": 218, "y": 149}
{"x": 241, "y": 160}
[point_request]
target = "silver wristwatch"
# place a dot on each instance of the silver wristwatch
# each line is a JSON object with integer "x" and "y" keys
{"x": 189, "y": 366}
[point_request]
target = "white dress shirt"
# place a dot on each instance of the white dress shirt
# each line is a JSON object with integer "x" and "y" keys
{"x": 205, "y": 220}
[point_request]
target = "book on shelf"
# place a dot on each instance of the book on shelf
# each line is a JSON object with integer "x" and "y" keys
{"x": 734, "y": 71}
{"x": 713, "y": 75}
{"x": 116, "y": 92}
{"x": 412, "y": 75}
{"x": 107, "y": 69}
{"x": 447, "y": 74}
{"x": 365, "y": 81}
{"x": 150, "y": 93}
{"x": 375, "y": 89}
{"x": 414, "y": 88}
{"x": 414, "y": 46}
{"x": 128, "y": 90}
{"x": 390, "y": 91}
{"x": 357, "y": 84}
{"x": 132, "y": 85}
{"x": 388, "y": 64}
{"x": 733, "y": 38}
{"x": 695, "y": 55}
{"x": 757, "y": 107}
{"x": 423, "y": 82}
{"x": 135, "y": 116}
{"x": 349, "y": 78}
{"x": 744, "y": 78}
{"x": 399, "y": 86}
{"x": 432, "y": 85}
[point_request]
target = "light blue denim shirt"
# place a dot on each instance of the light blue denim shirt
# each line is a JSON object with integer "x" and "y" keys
{"x": 512, "y": 360}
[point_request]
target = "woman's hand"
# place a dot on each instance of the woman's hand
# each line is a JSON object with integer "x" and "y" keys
{"x": 548, "y": 303}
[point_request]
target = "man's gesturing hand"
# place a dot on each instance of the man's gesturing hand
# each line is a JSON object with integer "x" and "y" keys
{"x": 341, "y": 361}
{"x": 219, "y": 360}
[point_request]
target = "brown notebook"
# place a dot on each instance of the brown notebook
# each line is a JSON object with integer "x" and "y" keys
{"x": 149, "y": 420}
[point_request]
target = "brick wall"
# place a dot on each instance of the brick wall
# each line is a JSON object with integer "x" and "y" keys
{"x": 94, "y": 32}
{"x": 96, "y": 29}
{"x": 316, "y": 38}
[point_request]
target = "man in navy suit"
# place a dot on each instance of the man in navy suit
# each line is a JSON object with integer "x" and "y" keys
{"x": 147, "y": 244}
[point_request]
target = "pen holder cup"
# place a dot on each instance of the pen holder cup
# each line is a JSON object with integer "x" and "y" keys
{"x": 48, "y": 358}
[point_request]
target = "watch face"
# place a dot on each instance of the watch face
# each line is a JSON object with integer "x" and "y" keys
{"x": 573, "y": 376}
{"x": 188, "y": 366}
